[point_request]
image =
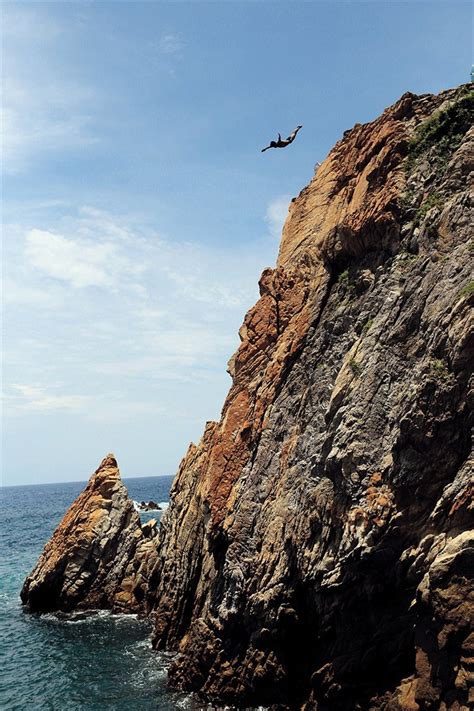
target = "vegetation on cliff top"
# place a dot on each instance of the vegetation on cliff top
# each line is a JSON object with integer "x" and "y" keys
{"x": 445, "y": 129}
{"x": 429, "y": 151}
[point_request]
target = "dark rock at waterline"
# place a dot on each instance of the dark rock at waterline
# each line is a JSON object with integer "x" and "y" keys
{"x": 149, "y": 506}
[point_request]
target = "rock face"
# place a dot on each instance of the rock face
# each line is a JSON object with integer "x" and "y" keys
{"x": 99, "y": 555}
{"x": 316, "y": 551}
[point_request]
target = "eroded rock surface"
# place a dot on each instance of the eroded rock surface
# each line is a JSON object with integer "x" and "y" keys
{"x": 315, "y": 552}
{"x": 99, "y": 556}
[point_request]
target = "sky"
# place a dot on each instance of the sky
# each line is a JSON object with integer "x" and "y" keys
{"x": 138, "y": 211}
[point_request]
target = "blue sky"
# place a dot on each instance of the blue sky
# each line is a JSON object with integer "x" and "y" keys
{"x": 138, "y": 211}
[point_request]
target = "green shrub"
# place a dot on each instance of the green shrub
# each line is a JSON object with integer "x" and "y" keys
{"x": 355, "y": 366}
{"x": 346, "y": 284}
{"x": 343, "y": 278}
{"x": 466, "y": 290}
{"x": 440, "y": 370}
{"x": 433, "y": 200}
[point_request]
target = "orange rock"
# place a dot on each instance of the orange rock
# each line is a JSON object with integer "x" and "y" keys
{"x": 88, "y": 563}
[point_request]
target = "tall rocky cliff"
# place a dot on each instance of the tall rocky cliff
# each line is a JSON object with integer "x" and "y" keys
{"x": 317, "y": 551}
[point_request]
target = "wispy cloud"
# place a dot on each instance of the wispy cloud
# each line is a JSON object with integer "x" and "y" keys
{"x": 276, "y": 213}
{"x": 94, "y": 249}
{"x": 76, "y": 262}
{"x": 171, "y": 43}
{"x": 43, "y": 113}
{"x": 42, "y": 119}
{"x": 32, "y": 398}
{"x": 22, "y": 399}
{"x": 205, "y": 290}
{"x": 95, "y": 299}
{"x": 14, "y": 292}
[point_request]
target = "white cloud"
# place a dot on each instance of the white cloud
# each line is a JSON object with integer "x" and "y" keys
{"x": 276, "y": 213}
{"x": 23, "y": 399}
{"x": 202, "y": 289}
{"x": 164, "y": 320}
{"x": 92, "y": 250}
{"x": 14, "y": 292}
{"x": 94, "y": 223}
{"x": 76, "y": 262}
{"x": 28, "y": 398}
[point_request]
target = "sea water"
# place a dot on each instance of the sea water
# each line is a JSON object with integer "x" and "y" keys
{"x": 89, "y": 661}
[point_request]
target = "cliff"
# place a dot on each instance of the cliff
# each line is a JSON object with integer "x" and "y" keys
{"x": 317, "y": 550}
{"x": 98, "y": 557}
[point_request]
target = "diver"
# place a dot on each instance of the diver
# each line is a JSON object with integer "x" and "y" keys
{"x": 282, "y": 143}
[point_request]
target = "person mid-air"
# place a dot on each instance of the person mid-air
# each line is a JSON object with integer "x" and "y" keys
{"x": 283, "y": 142}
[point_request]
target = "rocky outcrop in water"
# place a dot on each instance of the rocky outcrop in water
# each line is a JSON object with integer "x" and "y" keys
{"x": 316, "y": 552}
{"x": 149, "y": 506}
{"x": 99, "y": 556}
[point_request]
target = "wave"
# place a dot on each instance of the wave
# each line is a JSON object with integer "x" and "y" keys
{"x": 162, "y": 504}
{"x": 86, "y": 616}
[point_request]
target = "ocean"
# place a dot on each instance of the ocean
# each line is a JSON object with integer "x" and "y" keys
{"x": 89, "y": 661}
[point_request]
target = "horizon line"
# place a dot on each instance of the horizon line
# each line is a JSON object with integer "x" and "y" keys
{"x": 81, "y": 481}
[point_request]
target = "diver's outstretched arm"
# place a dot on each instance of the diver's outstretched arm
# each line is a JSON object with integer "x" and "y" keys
{"x": 265, "y": 149}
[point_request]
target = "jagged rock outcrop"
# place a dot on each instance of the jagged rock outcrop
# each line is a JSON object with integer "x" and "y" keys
{"x": 315, "y": 552}
{"x": 99, "y": 556}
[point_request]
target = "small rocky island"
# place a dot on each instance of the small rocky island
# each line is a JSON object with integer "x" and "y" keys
{"x": 100, "y": 556}
{"x": 148, "y": 506}
{"x": 318, "y": 551}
